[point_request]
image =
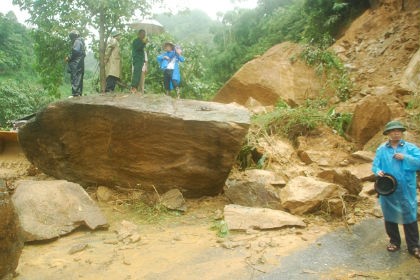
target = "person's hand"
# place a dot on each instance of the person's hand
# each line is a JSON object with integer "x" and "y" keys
{"x": 166, "y": 57}
{"x": 66, "y": 59}
{"x": 145, "y": 40}
{"x": 399, "y": 156}
{"x": 381, "y": 173}
{"x": 178, "y": 51}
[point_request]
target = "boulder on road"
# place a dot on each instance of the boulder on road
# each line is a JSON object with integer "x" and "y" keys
{"x": 304, "y": 194}
{"x": 255, "y": 188}
{"x": 49, "y": 209}
{"x": 11, "y": 239}
{"x": 243, "y": 218}
{"x": 137, "y": 142}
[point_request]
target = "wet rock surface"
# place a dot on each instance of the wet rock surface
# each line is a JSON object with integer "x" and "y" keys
{"x": 137, "y": 142}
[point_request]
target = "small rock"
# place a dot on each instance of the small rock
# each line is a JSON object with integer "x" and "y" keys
{"x": 104, "y": 194}
{"x": 78, "y": 248}
{"x": 111, "y": 241}
{"x": 174, "y": 200}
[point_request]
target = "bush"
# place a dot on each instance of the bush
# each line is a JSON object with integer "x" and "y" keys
{"x": 18, "y": 100}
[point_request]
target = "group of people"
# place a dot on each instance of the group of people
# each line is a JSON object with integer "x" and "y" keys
{"x": 168, "y": 62}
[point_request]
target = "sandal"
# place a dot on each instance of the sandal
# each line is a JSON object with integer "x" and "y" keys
{"x": 416, "y": 253}
{"x": 393, "y": 248}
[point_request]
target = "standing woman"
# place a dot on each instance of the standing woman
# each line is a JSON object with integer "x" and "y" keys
{"x": 401, "y": 159}
{"x": 137, "y": 53}
{"x": 113, "y": 62}
{"x": 169, "y": 63}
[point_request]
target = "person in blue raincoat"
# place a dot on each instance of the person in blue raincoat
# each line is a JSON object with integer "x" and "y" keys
{"x": 401, "y": 159}
{"x": 169, "y": 63}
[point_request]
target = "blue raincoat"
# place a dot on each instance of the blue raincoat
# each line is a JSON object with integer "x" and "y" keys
{"x": 163, "y": 63}
{"x": 401, "y": 206}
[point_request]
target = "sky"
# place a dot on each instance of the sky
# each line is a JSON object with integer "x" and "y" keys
{"x": 211, "y": 7}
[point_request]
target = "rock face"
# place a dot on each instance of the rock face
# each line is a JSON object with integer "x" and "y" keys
{"x": 370, "y": 116}
{"x": 411, "y": 77}
{"x": 137, "y": 141}
{"x": 344, "y": 178}
{"x": 49, "y": 209}
{"x": 256, "y": 188}
{"x": 304, "y": 194}
{"x": 242, "y": 218}
{"x": 11, "y": 241}
{"x": 270, "y": 78}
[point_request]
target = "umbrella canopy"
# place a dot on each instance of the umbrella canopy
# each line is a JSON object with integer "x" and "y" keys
{"x": 151, "y": 26}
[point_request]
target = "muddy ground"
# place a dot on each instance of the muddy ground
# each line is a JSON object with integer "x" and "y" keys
{"x": 191, "y": 245}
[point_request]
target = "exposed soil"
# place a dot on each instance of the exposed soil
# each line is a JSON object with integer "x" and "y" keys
{"x": 172, "y": 245}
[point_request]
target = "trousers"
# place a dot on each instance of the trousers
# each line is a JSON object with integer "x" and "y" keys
{"x": 411, "y": 232}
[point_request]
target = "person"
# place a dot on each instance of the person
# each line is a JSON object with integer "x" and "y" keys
{"x": 169, "y": 63}
{"x": 113, "y": 62}
{"x": 137, "y": 52}
{"x": 401, "y": 159}
{"x": 76, "y": 63}
{"x": 143, "y": 74}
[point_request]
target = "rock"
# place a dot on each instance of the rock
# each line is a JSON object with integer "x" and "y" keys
{"x": 368, "y": 189}
{"x": 11, "y": 239}
{"x": 78, "y": 248}
{"x": 336, "y": 207}
{"x": 365, "y": 156}
{"x": 174, "y": 200}
{"x": 104, "y": 194}
{"x": 243, "y": 218}
{"x": 255, "y": 188}
{"x": 137, "y": 142}
{"x": 362, "y": 171}
{"x": 304, "y": 194}
{"x": 344, "y": 178}
{"x": 370, "y": 116}
{"x": 272, "y": 77}
{"x": 411, "y": 77}
{"x": 49, "y": 209}
{"x": 128, "y": 232}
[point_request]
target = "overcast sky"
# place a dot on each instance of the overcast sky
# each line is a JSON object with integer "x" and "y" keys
{"x": 211, "y": 7}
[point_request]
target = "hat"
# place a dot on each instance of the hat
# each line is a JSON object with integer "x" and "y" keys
{"x": 115, "y": 33}
{"x": 393, "y": 125}
{"x": 169, "y": 43}
{"x": 386, "y": 184}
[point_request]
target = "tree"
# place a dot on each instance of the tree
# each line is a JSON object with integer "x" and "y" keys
{"x": 54, "y": 19}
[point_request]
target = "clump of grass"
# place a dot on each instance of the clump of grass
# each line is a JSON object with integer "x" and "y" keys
{"x": 328, "y": 65}
{"x": 221, "y": 228}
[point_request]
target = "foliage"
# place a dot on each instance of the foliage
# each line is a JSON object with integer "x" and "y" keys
{"x": 328, "y": 65}
{"x": 55, "y": 19}
{"x": 18, "y": 99}
{"x": 16, "y": 50}
{"x": 302, "y": 120}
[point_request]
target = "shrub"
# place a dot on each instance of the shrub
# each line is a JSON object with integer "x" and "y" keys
{"x": 19, "y": 99}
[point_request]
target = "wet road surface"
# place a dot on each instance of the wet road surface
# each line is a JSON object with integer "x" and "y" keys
{"x": 358, "y": 253}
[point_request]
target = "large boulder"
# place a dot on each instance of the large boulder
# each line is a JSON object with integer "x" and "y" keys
{"x": 255, "y": 188}
{"x": 370, "y": 116}
{"x": 49, "y": 209}
{"x": 344, "y": 178}
{"x": 272, "y": 77}
{"x": 11, "y": 241}
{"x": 137, "y": 142}
{"x": 305, "y": 194}
{"x": 243, "y": 218}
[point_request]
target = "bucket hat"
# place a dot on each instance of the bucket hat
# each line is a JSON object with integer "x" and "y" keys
{"x": 386, "y": 184}
{"x": 115, "y": 33}
{"x": 393, "y": 125}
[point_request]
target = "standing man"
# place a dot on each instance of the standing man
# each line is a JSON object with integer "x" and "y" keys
{"x": 113, "y": 62}
{"x": 76, "y": 63}
{"x": 137, "y": 53}
{"x": 401, "y": 159}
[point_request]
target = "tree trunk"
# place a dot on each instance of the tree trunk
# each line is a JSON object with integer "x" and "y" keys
{"x": 102, "y": 77}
